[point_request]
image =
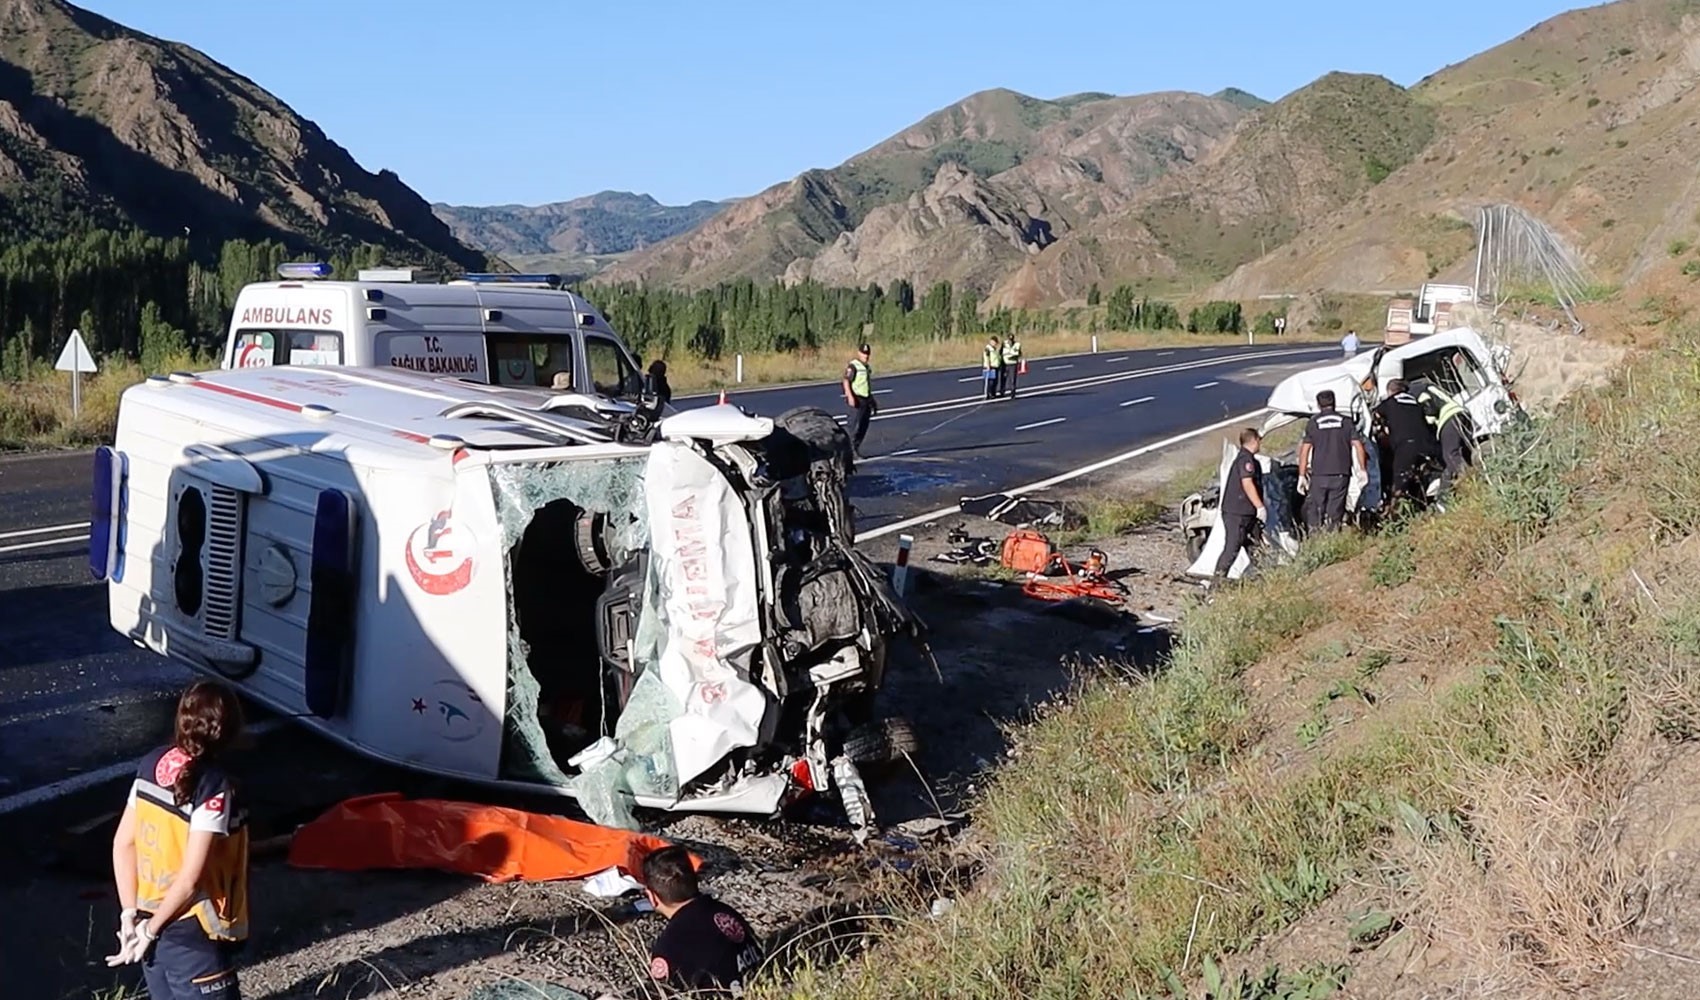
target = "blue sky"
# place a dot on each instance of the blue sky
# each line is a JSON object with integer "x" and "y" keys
{"x": 498, "y": 101}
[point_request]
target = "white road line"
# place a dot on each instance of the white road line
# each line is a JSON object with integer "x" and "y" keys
{"x": 881, "y": 392}
{"x": 1136, "y": 402}
{"x": 1042, "y": 423}
{"x": 1045, "y": 484}
{"x": 900, "y": 454}
{"x": 42, "y": 545}
{"x": 1111, "y": 361}
{"x": 975, "y": 378}
{"x": 1206, "y": 385}
{"x": 1251, "y": 374}
{"x": 1057, "y": 368}
{"x": 42, "y": 531}
{"x": 1164, "y": 354}
{"x": 89, "y": 779}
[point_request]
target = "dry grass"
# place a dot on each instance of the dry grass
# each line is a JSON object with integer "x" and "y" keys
{"x": 35, "y": 412}
{"x": 1143, "y": 825}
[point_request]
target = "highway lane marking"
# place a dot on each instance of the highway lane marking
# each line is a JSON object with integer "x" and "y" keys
{"x": 1086, "y": 381}
{"x": 1111, "y": 361}
{"x": 1164, "y": 354}
{"x": 89, "y": 779}
{"x": 1136, "y": 402}
{"x": 976, "y": 378}
{"x": 1057, "y": 368}
{"x": 1041, "y": 423}
{"x": 1206, "y": 385}
{"x": 900, "y": 454}
{"x": 1085, "y": 470}
{"x": 1252, "y": 374}
{"x": 881, "y": 392}
{"x": 42, "y": 531}
{"x": 42, "y": 545}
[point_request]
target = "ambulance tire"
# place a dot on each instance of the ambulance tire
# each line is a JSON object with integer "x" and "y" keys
{"x": 886, "y": 741}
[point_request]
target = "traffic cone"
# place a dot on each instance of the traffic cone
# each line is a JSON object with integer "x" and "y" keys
{"x": 1023, "y": 369}
{"x": 723, "y": 397}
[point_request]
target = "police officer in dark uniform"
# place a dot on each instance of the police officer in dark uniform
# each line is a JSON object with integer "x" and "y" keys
{"x": 1325, "y": 464}
{"x": 1411, "y": 440}
{"x": 1242, "y": 507}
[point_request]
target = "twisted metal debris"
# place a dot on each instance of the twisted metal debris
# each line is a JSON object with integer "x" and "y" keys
{"x": 1517, "y": 252}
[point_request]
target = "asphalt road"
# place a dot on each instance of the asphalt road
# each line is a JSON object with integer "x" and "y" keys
{"x": 75, "y": 698}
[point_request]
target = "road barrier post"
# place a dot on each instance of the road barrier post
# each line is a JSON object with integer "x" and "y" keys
{"x": 739, "y": 376}
{"x": 900, "y": 572}
{"x": 1094, "y": 343}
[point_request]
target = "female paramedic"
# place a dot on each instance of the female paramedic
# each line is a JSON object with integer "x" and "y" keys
{"x": 180, "y": 857}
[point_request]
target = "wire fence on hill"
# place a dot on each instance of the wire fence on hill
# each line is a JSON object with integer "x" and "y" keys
{"x": 1518, "y": 255}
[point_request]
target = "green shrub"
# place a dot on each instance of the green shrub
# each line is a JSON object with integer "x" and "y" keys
{"x": 1215, "y": 317}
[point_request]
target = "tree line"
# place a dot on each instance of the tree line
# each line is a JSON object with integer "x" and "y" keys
{"x": 150, "y": 298}
{"x": 143, "y": 297}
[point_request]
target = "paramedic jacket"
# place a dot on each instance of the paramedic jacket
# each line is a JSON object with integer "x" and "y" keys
{"x": 220, "y": 902}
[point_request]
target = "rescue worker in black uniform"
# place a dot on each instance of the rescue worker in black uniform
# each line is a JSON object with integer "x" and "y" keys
{"x": 1242, "y": 508}
{"x": 859, "y": 395}
{"x": 1411, "y": 441}
{"x": 707, "y": 948}
{"x": 1447, "y": 414}
{"x": 1325, "y": 464}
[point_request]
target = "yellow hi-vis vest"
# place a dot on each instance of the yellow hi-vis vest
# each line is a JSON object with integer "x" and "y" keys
{"x": 220, "y": 901}
{"x": 1011, "y": 351}
{"x": 1450, "y": 408}
{"x": 861, "y": 378}
{"x": 991, "y": 357}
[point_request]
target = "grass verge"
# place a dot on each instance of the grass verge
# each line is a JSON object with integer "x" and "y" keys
{"x": 1552, "y": 654}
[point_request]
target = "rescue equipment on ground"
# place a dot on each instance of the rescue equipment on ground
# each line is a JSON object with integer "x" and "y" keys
{"x": 1090, "y": 580}
{"x": 1027, "y": 551}
{"x": 494, "y": 843}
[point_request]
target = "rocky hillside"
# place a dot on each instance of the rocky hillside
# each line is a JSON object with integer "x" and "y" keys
{"x": 967, "y": 193}
{"x": 1589, "y": 120}
{"x": 1283, "y": 170}
{"x": 104, "y": 126}
{"x": 576, "y": 232}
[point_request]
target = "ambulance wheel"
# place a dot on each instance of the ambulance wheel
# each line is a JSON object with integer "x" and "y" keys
{"x": 886, "y": 741}
{"x": 1195, "y": 541}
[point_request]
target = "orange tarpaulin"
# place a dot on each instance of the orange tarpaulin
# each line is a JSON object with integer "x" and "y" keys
{"x": 496, "y": 844}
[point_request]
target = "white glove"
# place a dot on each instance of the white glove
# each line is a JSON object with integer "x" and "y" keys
{"x": 1304, "y": 486}
{"x": 134, "y": 939}
{"x": 1263, "y": 514}
{"x": 1360, "y": 479}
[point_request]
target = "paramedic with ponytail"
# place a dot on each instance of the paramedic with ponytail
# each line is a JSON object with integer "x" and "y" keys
{"x": 180, "y": 857}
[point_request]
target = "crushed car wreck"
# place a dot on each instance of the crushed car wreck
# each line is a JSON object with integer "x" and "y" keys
{"x": 1458, "y": 361}
{"x": 463, "y": 580}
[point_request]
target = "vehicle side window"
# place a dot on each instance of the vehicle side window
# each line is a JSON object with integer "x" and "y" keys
{"x": 258, "y": 348}
{"x": 610, "y": 371}
{"x": 1470, "y": 372}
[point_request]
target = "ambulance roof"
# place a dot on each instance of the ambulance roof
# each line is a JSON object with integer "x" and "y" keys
{"x": 407, "y": 306}
{"x": 392, "y": 410}
{"x": 1296, "y": 394}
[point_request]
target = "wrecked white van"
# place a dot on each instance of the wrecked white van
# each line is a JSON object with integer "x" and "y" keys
{"x": 1458, "y": 361}
{"x": 463, "y": 580}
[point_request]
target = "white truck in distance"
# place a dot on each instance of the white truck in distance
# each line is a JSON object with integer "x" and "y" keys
{"x": 504, "y": 329}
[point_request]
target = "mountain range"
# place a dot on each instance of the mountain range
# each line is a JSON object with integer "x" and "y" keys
{"x": 102, "y": 126}
{"x": 1352, "y": 183}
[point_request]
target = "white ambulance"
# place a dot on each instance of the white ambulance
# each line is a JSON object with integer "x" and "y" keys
{"x": 505, "y": 329}
{"x": 459, "y": 578}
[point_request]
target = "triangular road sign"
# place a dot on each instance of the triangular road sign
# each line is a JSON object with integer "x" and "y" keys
{"x": 76, "y": 357}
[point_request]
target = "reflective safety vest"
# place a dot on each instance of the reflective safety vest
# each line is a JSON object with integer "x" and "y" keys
{"x": 1011, "y": 351}
{"x": 991, "y": 357}
{"x": 861, "y": 378}
{"x": 1450, "y": 408}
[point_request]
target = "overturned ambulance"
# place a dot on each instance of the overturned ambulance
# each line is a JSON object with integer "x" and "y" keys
{"x": 484, "y": 583}
{"x": 1458, "y": 361}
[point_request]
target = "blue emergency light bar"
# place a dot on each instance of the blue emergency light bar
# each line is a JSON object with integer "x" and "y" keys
{"x": 513, "y": 279}
{"x": 304, "y": 269}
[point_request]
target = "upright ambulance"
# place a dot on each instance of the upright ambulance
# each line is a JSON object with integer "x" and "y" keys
{"x": 518, "y": 330}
